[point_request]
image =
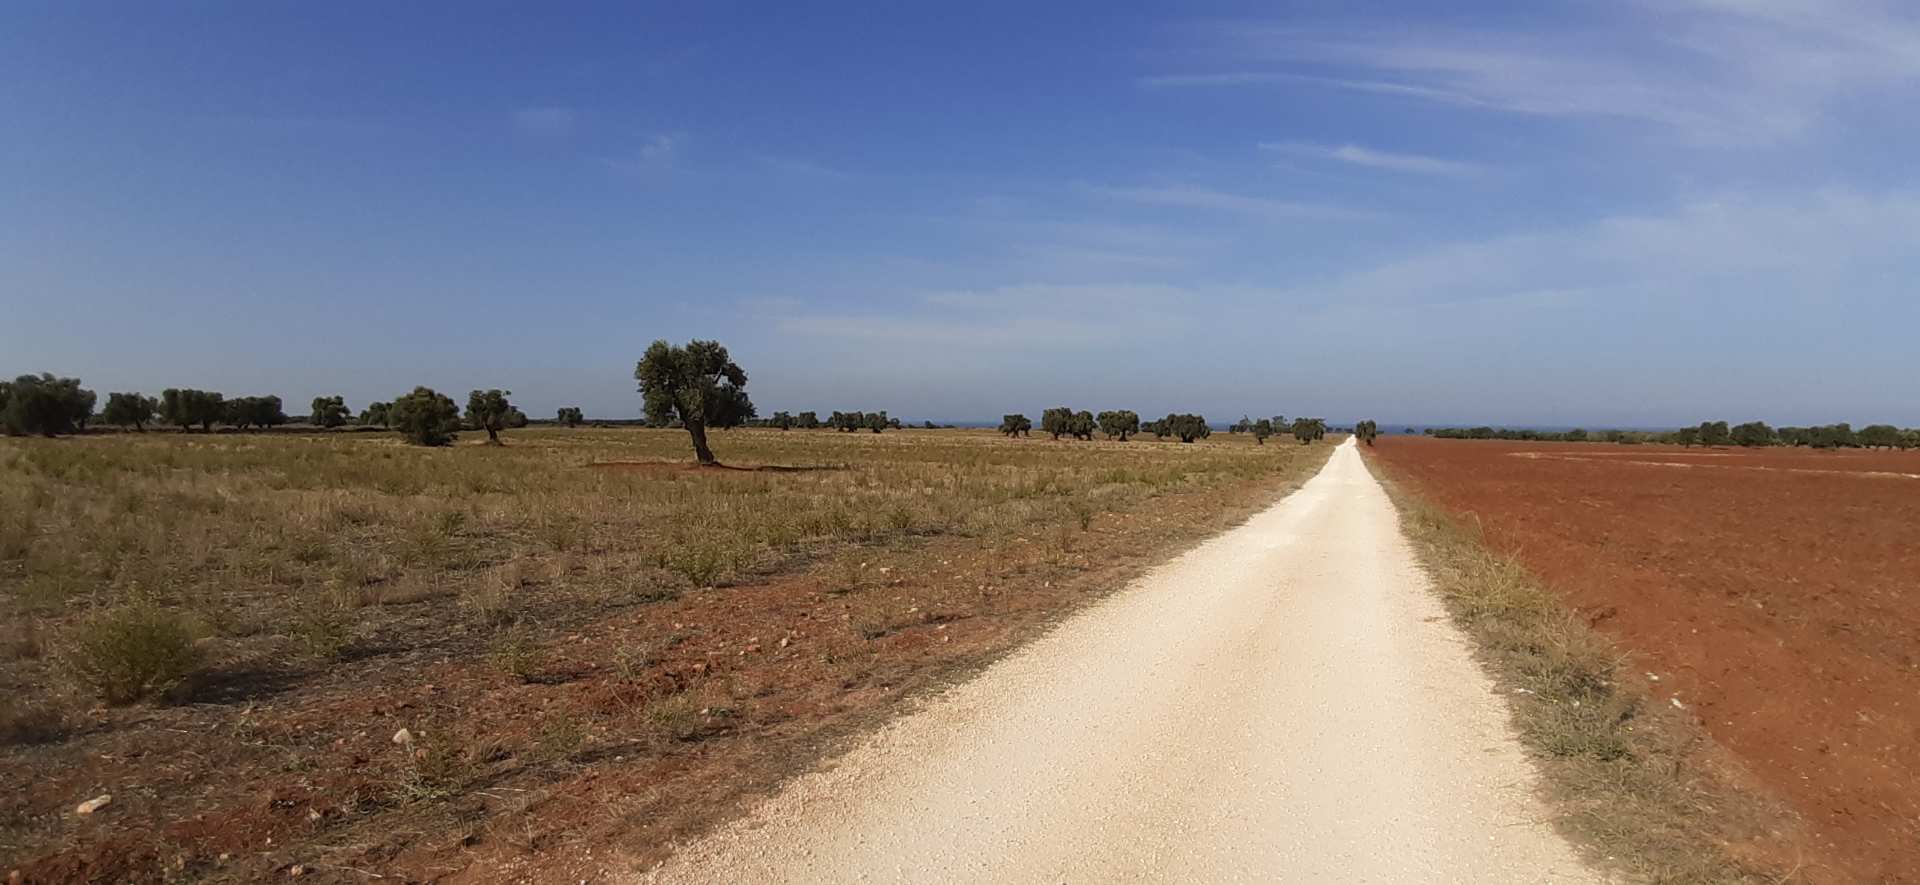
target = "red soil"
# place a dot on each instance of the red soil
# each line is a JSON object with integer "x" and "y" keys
{"x": 1769, "y": 591}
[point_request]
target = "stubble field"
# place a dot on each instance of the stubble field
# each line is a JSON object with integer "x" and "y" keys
{"x": 1768, "y": 592}
{"x": 593, "y": 649}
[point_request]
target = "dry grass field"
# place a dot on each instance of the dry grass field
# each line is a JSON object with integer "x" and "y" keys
{"x": 590, "y": 644}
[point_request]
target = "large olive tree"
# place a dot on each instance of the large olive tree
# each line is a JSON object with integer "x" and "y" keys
{"x": 489, "y": 411}
{"x": 425, "y": 417}
{"x": 689, "y": 384}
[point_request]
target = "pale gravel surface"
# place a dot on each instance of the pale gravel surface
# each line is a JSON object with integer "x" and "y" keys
{"x": 1284, "y": 703}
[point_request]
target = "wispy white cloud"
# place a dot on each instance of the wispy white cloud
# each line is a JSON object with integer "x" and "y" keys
{"x": 1712, "y": 71}
{"x": 1223, "y": 201}
{"x": 1834, "y": 245}
{"x": 1376, "y": 159}
{"x": 545, "y": 122}
{"x": 660, "y": 153}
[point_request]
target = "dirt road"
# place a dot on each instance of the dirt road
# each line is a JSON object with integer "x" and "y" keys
{"x": 1286, "y": 702}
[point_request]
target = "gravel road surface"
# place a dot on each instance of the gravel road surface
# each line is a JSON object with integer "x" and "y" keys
{"x": 1284, "y": 703}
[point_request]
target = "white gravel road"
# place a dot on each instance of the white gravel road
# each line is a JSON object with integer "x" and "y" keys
{"x": 1284, "y": 703}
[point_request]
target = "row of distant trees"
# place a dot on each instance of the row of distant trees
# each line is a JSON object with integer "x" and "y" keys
{"x": 48, "y": 406}
{"x": 1752, "y": 434}
{"x": 1123, "y": 424}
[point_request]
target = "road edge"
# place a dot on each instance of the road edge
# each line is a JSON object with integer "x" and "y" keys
{"x": 1638, "y": 788}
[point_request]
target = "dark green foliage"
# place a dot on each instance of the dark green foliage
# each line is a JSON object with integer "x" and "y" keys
{"x": 44, "y": 405}
{"x": 1244, "y": 425}
{"x": 807, "y": 421}
{"x": 847, "y": 422}
{"x": 782, "y": 420}
{"x": 1715, "y": 433}
{"x": 1687, "y": 437}
{"x": 1875, "y": 436}
{"x": 1187, "y": 427}
{"x": 1081, "y": 425}
{"x": 1307, "y": 430}
{"x": 517, "y": 419}
{"x": 1057, "y": 421}
{"x": 1577, "y": 434}
{"x": 328, "y": 411}
{"x": 425, "y": 417}
{"x": 878, "y": 421}
{"x": 376, "y": 414}
{"x": 729, "y": 407}
{"x": 1752, "y": 434}
{"x": 1016, "y": 425}
{"x": 694, "y": 384}
{"x": 1119, "y": 424}
{"x": 569, "y": 416}
{"x": 490, "y": 411}
{"x": 1158, "y": 428}
{"x": 1367, "y": 431}
{"x": 255, "y": 411}
{"x": 186, "y": 408}
{"x": 130, "y": 410}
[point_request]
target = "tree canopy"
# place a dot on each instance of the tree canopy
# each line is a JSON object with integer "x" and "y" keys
{"x": 693, "y": 385}
{"x": 490, "y": 411}
{"x": 425, "y": 417}
{"x": 44, "y": 404}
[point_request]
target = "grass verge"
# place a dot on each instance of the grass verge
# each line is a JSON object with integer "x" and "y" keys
{"x": 1636, "y": 783}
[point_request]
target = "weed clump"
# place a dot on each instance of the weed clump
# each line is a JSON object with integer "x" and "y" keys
{"x": 131, "y": 652}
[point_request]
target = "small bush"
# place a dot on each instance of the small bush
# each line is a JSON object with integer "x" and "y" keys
{"x": 515, "y": 653}
{"x": 132, "y": 652}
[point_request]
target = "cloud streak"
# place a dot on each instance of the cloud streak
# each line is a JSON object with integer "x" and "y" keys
{"x": 1721, "y": 72}
{"x": 1355, "y": 155}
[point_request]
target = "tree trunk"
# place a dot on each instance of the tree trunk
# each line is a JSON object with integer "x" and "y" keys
{"x": 698, "y": 430}
{"x": 493, "y": 435}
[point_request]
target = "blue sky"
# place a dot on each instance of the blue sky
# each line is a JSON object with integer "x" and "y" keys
{"x": 1563, "y": 213}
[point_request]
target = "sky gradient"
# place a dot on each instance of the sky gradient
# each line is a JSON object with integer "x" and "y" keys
{"x": 1524, "y": 213}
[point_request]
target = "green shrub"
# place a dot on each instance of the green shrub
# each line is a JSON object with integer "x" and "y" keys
{"x": 132, "y": 652}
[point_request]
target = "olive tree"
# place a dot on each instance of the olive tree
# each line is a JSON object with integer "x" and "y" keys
{"x": 1057, "y": 421}
{"x": 1081, "y": 425}
{"x": 782, "y": 420}
{"x": 1016, "y": 425}
{"x": 878, "y": 421}
{"x": 1119, "y": 424}
{"x": 808, "y": 420}
{"x": 44, "y": 405}
{"x": 728, "y": 408}
{"x": 683, "y": 383}
{"x": 130, "y": 410}
{"x": 1875, "y": 436}
{"x": 255, "y": 411}
{"x": 490, "y": 411}
{"x": 569, "y": 416}
{"x": 376, "y": 414}
{"x": 1187, "y": 427}
{"x": 328, "y": 411}
{"x": 1261, "y": 429}
{"x": 1752, "y": 434}
{"x": 425, "y": 417}
{"x": 188, "y": 407}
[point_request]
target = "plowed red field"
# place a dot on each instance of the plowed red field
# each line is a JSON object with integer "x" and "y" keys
{"x": 1775, "y": 593}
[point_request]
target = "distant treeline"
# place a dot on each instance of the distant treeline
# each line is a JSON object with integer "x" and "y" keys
{"x": 1752, "y": 434}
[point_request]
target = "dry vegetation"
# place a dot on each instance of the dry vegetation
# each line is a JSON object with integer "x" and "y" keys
{"x": 1636, "y": 782}
{"x": 579, "y": 604}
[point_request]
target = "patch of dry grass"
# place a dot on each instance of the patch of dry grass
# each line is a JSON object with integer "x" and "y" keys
{"x": 1624, "y": 772}
{"x": 296, "y": 549}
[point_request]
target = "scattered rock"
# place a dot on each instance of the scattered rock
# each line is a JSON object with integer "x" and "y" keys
{"x": 296, "y": 871}
{"x": 403, "y": 737}
{"x": 95, "y": 804}
{"x": 785, "y": 641}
